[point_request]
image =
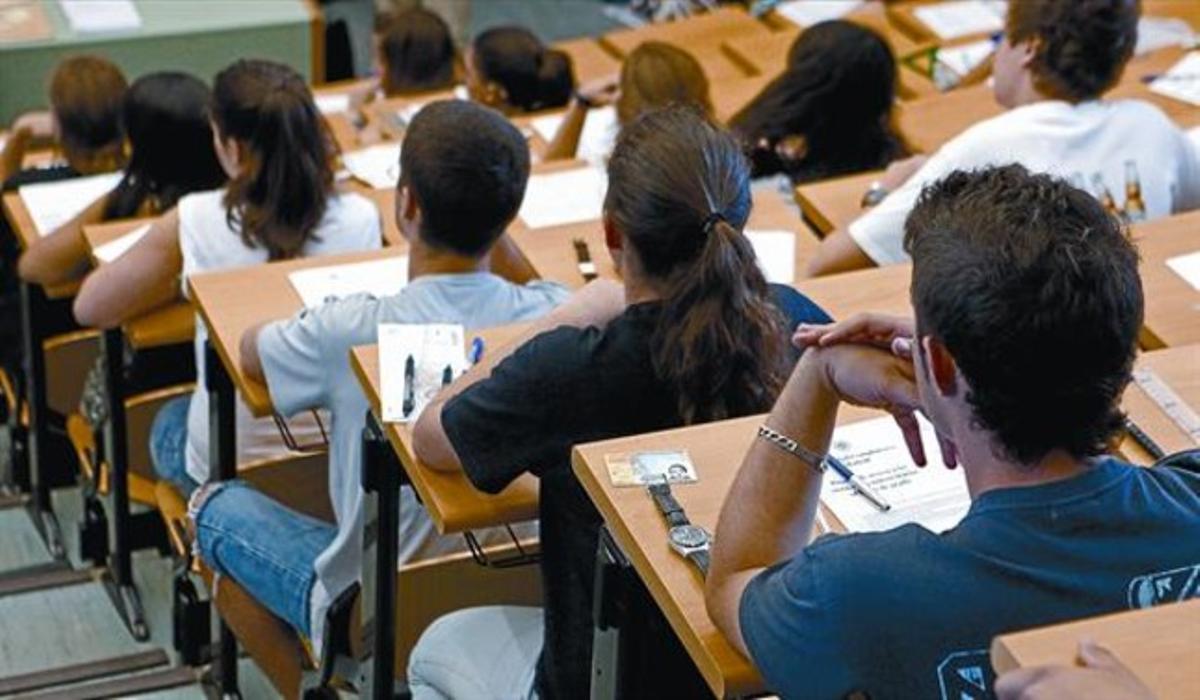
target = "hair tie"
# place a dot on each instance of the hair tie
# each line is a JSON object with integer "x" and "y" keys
{"x": 712, "y": 220}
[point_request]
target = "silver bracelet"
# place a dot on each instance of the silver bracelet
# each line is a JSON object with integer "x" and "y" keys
{"x": 785, "y": 443}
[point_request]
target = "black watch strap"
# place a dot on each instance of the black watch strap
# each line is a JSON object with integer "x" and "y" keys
{"x": 668, "y": 506}
{"x": 699, "y": 557}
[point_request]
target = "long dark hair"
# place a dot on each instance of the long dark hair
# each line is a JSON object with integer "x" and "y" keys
{"x": 280, "y": 196}
{"x": 836, "y": 95}
{"x": 679, "y": 192}
{"x": 171, "y": 147}
{"x": 417, "y": 53}
{"x": 535, "y": 77}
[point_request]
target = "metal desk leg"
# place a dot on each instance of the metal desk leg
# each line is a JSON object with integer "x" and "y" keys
{"x": 610, "y": 608}
{"x": 222, "y": 464}
{"x": 381, "y": 478}
{"x": 33, "y": 304}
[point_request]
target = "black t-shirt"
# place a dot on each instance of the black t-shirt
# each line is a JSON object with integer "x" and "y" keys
{"x": 565, "y": 387}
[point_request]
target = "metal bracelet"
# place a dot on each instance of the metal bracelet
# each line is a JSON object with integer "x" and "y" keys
{"x": 785, "y": 443}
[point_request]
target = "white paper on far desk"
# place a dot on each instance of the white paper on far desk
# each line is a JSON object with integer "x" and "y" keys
{"x": 335, "y": 103}
{"x": 932, "y": 496}
{"x": 566, "y": 197}
{"x": 52, "y": 204}
{"x": 1182, "y": 80}
{"x": 380, "y": 278}
{"x": 776, "y": 253}
{"x": 1187, "y": 267}
{"x": 101, "y": 15}
{"x": 806, "y": 13}
{"x": 378, "y": 166}
{"x": 950, "y": 20}
{"x": 433, "y": 347}
{"x": 598, "y": 136}
{"x": 118, "y": 246}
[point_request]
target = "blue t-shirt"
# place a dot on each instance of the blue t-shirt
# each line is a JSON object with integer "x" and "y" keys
{"x": 911, "y": 614}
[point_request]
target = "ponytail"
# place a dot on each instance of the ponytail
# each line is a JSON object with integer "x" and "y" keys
{"x": 282, "y": 192}
{"x": 679, "y": 192}
{"x": 554, "y": 80}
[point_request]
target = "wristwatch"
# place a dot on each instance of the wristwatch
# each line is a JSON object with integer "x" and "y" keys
{"x": 688, "y": 540}
{"x": 874, "y": 195}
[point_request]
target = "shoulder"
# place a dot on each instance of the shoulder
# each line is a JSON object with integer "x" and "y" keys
{"x": 352, "y": 207}
{"x": 200, "y": 205}
{"x": 796, "y": 307}
{"x": 1146, "y": 114}
{"x": 543, "y": 291}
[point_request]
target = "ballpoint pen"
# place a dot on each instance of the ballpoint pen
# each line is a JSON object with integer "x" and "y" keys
{"x": 1142, "y": 438}
{"x": 447, "y": 376}
{"x": 856, "y": 483}
{"x": 410, "y": 389}
{"x": 477, "y": 348}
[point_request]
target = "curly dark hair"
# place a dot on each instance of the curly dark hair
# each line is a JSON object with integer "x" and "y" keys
{"x": 1034, "y": 290}
{"x": 1082, "y": 45}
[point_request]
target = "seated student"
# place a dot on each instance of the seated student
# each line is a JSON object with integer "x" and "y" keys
{"x": 510, "y": 69}
{"x": 165, "y": 119}
{"x": 654, "y": 75}
{"x": 694, "y": 334}
{"x": 830, "y": 112}
{"x": 1056, "y": 60}
{"x": 416, "y": 53}
{"x": 84, "y": 121}
{"x": 1102, "y": 676}
{"x": 1028, "y": 305}
{"x": 280, "y": 203}
{"x": 463, "y": 173}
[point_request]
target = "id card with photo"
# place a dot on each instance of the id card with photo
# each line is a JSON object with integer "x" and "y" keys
{"x": 652, "y": 467}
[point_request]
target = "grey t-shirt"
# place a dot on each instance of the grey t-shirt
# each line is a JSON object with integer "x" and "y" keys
{"x": 306, "y": 363}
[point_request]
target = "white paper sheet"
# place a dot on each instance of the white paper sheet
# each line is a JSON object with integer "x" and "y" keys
{"x": 116, "y": 248}
{"x": 776, "y": 253}
{"x": 950, "y": 20}
{"x": 967, "y": 57}
{"x": 433, "y": 347}
{"x": 94, "y": 16}
{"x": 597, "y": 139}
{"x": 335, "y": 103}
{"x": 381, "y": 278}
{"x": 565, "y": 197}
{"x": 932, "y": 496}
{"x": 1187, "y": 267}
{"x": 378, "y": 166}
{"x": 1182, "y": 81}
{"x": 1155, "y": 33}
{"x": 806, "y": 13}
{"x": 52, "y": 204}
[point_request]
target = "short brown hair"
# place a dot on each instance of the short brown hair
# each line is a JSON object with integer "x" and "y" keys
{"x": 656, "y": 75}
{"x": 1082, "y": 45}
{"x": 86, "y": 95}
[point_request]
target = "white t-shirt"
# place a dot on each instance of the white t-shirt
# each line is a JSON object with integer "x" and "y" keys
{"x": 306, "y": 362}
{"x": 1089, "y": 140}
{"x": 351, "y": 223}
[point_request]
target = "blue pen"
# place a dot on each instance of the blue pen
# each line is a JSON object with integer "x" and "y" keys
{"x": 476, "y": 350}
{"x": 856, "y": 483}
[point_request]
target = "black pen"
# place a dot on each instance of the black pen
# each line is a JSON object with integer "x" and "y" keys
{"x": 1142, "y": 438}
{"x": 447, "y": 376}
{"x": 410, "y": 388}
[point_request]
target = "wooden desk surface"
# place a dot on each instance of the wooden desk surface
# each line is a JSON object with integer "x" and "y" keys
{"x": 551, "y": 253}
{"x": 589, "y": 59}
{"x": 1172, "y": 304}
{"x": 904, "y": 18}
{"x": 1132, "y": 86}
{"x": 1158, "y": 644}
{"x": 1179, "y": 368}
{"x": 381, "y": 113}
{"x": 831, "y": 205}
{"x": 880, "y": 289}
{"x": 453, "y": 503}
{"x": 731, "y": 95}
{"x": 701, "y": 35}
{"x": 26, "y": 233}
{"x": 231, "y": 301}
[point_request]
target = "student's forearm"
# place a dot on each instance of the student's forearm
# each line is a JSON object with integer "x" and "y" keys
{"x": 838, "y": 252}
{"x": 768, "y": 514}
{"x": 62, "y": 256}
{"x": 565, "y": 143}
{"x": 248, "y": 351}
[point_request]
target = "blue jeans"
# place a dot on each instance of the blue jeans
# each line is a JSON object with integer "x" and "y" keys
{"x": 168, "y": 444}
{"x": 268, "y": 548}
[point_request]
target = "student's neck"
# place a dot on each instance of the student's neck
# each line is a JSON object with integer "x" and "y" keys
{"x": 986, "y": 471}
{"x": 639, "y": 291}
{"x": 1028, "y": 94}
{"x": 423, "y": 260}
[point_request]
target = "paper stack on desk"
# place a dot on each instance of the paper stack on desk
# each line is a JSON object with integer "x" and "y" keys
{"x": 380, "y": 278}
{"x": 378, "y": 166}
{"x": 1181, "y": 81}
{"x": 932, "y": 496}
{"x": 565, "y": 197}
{"x": 52, "y": 204}
{"x": 776, "y": 253}
{"x": 333, "y": 103}
{"x": 950, "y": 20}
{"x": 597, "y": 139}
{"x": 1187, "y": 267}
{"x": 414, "y": 362}
{"x": 805, "y": 13}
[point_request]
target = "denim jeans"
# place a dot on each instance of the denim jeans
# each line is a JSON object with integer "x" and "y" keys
{"x": 268, "y": 548}
{"x": 478, "y": 653}
{"x": 168, "y": 444}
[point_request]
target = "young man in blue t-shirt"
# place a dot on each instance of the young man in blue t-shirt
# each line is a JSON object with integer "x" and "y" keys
{"x": 1028, "y": 305}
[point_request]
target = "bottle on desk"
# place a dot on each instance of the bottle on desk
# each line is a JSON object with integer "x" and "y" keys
{"x": 1135, "y": 207}
{"x": 1100, "y": 190}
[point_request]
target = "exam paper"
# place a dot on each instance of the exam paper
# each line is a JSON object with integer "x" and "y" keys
{"x": 961, "y": 60}
{"x": 806, "y": 13}
{"x": 1187, "y": 267}
{"x": 380, "y": 278}
{"x": 433, "y": 347}
{"x": 1156, "y": 33}
{"x": 116, "y": 248}
{"x": 950, "y": 20}
{"x": 87, "y": 16}
{"x": 597, "y": 139}
{"x": 378, "y": 166}
{"x": 333, "y": 104}
{"x": 932, "y": 496}
{"x": 565, "y": 197}
{"x": 1182, "y": 81}
{"x": 52, "y": 204}
{"x": 776, "y": 253}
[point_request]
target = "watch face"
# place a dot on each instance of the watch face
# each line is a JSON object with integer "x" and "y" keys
{"x": 689, "y": 536}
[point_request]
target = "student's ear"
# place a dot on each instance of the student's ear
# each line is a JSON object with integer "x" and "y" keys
{"x": 943, "y": 370}
{"x": 494, "y": 94}
{"x": 408, "y": 212}
{"x": 1028, "y": 50}
{"x": 614, "y": 243}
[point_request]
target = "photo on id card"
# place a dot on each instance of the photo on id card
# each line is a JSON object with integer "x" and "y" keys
{"x": 651, "y": 467}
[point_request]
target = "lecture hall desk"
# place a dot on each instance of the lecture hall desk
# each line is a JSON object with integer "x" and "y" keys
{"x": 700, "y": 35}
{"x": 1172, "y": 304}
